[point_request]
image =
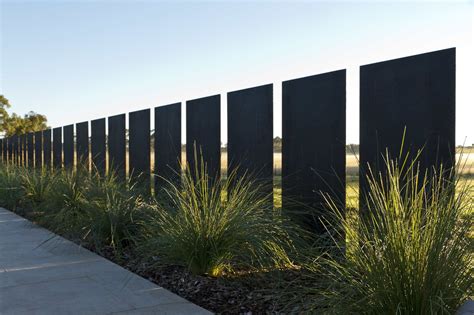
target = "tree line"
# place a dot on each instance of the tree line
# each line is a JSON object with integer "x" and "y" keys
{"x": 14, "y": 124}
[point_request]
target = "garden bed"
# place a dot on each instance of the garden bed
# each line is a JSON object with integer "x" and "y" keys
{"x": 234, "y": 253}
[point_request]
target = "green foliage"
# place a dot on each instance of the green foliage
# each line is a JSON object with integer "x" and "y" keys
{"x": 11, "y": 193}
{"x": 4, "y": 104}
{"x": 65, "y": 208}
{"x": 16, "y": 125}
{"x": 410, "y": 253}
{"x": 36, "y": 186}
{"x": 209, "y": 233}
{"x": 115, "y": 213}
{"x": 102, "y": 212}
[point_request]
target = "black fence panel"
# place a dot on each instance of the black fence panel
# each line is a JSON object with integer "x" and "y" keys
{"x": 9, "y": 150}
{"x": 30, "y": 143}
{"x": 314, "y": 142}
{"x": 58, "y": 147}
{"x": 250, "y": 134}
{"x": 139, "y": 146}
{"x": 82, "y": 144}
{"x": 98, "y": 145}
{"x": 117, "y": 144}
{"x": 38, "y": 149}
{"x": 23, "y": 158}
{"x": 11, "y": 155}
{"x": 167, "y": 144}
{"x": 14, "y": 147}
{"x": 68, "y": 146}
{"x": 416, "y": 94}
{"x": 4, "y": 150}
{"x": 47, "y": 148}
{"x": 203, "y": 133}
{"x": 2, "y": 147}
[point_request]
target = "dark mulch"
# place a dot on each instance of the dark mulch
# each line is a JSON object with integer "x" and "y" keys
{"x": 239, "y": 293}
{"x": 250, "y": 293}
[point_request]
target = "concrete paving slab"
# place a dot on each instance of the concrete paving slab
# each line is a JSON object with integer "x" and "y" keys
{"x": 59, "y": 277}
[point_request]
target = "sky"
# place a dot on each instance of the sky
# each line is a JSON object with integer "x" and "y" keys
{"x": 80, "y": 60}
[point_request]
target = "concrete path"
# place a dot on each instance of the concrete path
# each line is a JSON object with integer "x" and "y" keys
{"x": 58, "y": 277}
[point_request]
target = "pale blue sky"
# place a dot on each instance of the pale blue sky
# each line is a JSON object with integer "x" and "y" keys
{"x": 81, "y": 60}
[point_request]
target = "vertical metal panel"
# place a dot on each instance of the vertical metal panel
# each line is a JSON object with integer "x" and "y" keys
{"x": 2, "y": 141}
{"x": 98, "y": 146}
{"x": 5, "y": 150}
{"x": 203, "y": 132}
{"x": 47, "y": 148}
{"x": 416, "y": 92}
{"x": 116, "y": 144}
{"x": 57, "y": 147}
{"x": 11, "y": 155}
{"x": 38, "y": 149}
{"x": 30, "y": 143}
{"x": 250, "y": 133}
{"x": 10, "y": 150}
{"x": 17, "y": 150}
{"x": 2, "y": 148}
{"x": 14, "y": 140}
{"x": 68, "y": 146}
{"x": 24, "y": 158}
{"x": 139, "y": 146}
{"x": 167, "y": 144}
{"x": 82, "y": 144}
{"x": 314, "y": 141}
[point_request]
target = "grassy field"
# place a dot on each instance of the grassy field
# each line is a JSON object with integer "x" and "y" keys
{"x": 352, "y": 162}
{"x": 465, "y": 159}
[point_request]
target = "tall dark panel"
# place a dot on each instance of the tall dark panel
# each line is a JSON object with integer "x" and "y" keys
{"x": 38, "y": 150}
{"x": 10, "y": 150}
{"x": 139, "y": 146}
{"x": 57, "y": 147}
{"x": 117, "y": 145}
{"x": 5, "y": 150}
{"x": 17, "y": 150}
{"x": 47, "y": 148}
{"x": 68, "y": 146}
{"x": 167, "y": 144}
{"x": 98, "y": 146}
{"x": 416, "y": 93}
{"x": 20, "y": 150}
{"x": 30, "y": 143}
{"x": 24, "y": 150}
{"x": 203, "y": 132}
{"x": 2, "y": 148}
{"x": 250, "y": 133}
{"x": 14, "y": 140}
{"x": 314, "y": 142}
{"x": 82, "y": 143}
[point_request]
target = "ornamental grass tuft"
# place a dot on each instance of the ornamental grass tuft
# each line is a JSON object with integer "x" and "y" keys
{"x": 212, "y": 226}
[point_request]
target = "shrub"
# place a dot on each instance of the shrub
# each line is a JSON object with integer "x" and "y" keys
{"x": 65, "y": 208}
{"x": 410, "y": 253}
{"x": 36, "y": 186}
{"x": 11, "y": 192}
{"x": 114, "y": 213}
{"x": 209, "y": 233}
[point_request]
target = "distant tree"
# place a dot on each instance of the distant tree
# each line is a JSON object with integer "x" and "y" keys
{"x": 277, "y": 144}
{"x": 4, "y": 104}
{"x": 17, "y": 125}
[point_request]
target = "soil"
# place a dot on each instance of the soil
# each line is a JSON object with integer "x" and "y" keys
{"x": 247, "y": 293}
